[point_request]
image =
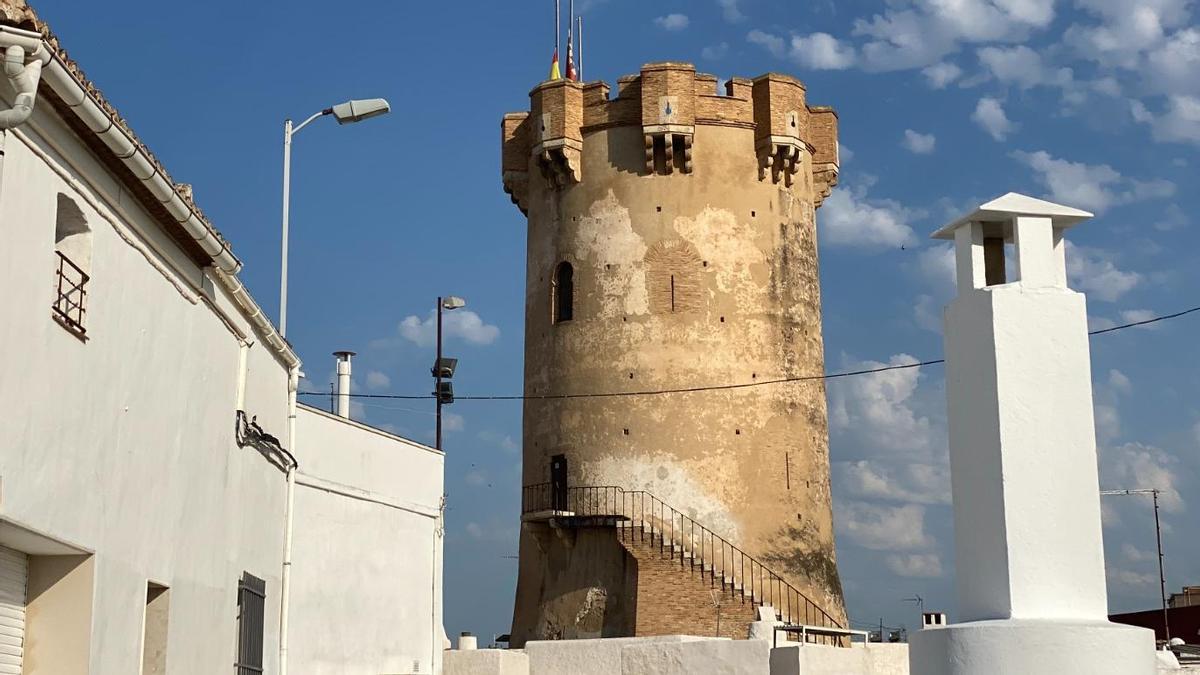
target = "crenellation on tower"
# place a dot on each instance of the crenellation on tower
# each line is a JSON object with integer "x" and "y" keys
{"x": 824, "y": 134}
{"x": 514, "y": 158}
{"x": 669, "y": 100}
{"x": 556, "y": 108}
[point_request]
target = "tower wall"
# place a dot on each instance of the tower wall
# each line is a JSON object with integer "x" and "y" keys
{"x": 688, "y": 220}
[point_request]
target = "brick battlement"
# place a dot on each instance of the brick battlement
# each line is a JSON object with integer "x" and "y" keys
{"x": 669, "y": 100}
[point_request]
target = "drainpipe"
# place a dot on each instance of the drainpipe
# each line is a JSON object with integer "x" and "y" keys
{"x": 286, "y": 579}
{"x": 19, "y": 45}
{"x": 343, "y": 383}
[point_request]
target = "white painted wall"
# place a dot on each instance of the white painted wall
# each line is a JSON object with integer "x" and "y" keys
{"x": 366, "y": 574}
{"x": 123, "y": 446}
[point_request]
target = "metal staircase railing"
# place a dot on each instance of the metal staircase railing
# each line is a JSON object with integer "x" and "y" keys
{"x": 640, "y": 516}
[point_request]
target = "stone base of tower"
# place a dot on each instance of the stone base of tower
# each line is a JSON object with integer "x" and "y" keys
{"x": 608, "y": 581}
{"x": 1033, "y": 647}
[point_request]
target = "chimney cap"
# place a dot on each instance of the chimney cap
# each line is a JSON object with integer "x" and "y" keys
{"x": 345, "y": 354}
{"x": 1005, "y": 207}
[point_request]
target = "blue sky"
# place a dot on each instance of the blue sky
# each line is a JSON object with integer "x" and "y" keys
{"x": 943, "y": 104}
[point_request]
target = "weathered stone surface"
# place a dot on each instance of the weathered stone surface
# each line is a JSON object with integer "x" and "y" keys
{"x": 681, "y": 279}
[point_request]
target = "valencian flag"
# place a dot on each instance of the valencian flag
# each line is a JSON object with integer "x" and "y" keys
{"x": 570, "y": 59}
{"x": 555, "y": 73}
{"x": 570, "y": 44}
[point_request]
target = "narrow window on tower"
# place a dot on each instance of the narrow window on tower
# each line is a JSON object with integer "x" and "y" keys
{"x": 563, "y": 293}
{"x": 672, "y": 292}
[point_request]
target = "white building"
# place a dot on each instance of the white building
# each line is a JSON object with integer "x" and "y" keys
{"x": 146, "y": 526}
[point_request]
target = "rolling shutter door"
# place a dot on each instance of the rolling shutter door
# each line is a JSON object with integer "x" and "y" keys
{"x": 14, "y": 568}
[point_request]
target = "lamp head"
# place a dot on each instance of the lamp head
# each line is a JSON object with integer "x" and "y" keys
{"x": 360, "y": 109}
{"x": 453, "y": 302}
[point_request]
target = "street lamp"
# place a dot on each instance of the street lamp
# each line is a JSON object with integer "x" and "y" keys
{"x": 443, "y": 368}
{"x": 1162, "y": 577}
{"x": 345, "y": 113}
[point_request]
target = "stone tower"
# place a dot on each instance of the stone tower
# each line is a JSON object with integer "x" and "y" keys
{"x": 671, "y": 245}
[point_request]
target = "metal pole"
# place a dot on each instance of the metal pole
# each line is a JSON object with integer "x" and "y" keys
{"x": 437, "y": 374}
{"x": 579, "y": 65}
{"x": 1162, "y": 577}
{"x": 287, "y": 189}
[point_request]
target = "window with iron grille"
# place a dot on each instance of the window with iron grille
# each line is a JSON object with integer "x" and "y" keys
{"x": 252, "y": 600}
{"x": 73, "y": 257}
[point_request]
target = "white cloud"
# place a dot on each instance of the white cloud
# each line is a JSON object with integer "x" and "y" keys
{"x": 1138, "y": 466}
{"x": 453, "y": 422}
{"x": 1096, "y": 187}
{"x": 879, "y": 407}
{"x": 1130, "y": 579}
{"x": 475, "y": 477}
{"x": 850, "y": 218}
{"x": 672, "y": 22}
{"x": 1092, "y": 271}
{"x": 990, "y": 117}
{"x": 908, "y": 482}
{"x": 772, "y": 43}
{"x": 1135, "y": 554}
{"x": 1135, "y": 315}
{"x": 475, "y": 530}
{"x": 730, "y": 10}
{"x": 845, "y": 154}
{"x": 1173, "y": 219}
{"x": 1172, "y": 66}
{"x": 817, "y": 51}
{"x": 1023, "y": 67}
{"x": 1106, "y": 398}
{"x": 885, "y": 528}
{"x": 918, "y": 143}
{"x": 1180, "y": 122}
{"x": 915, "y": 565}
{"x": 377, "y": 381}
{"x": 927, "y": 314}
{"x": 462, "y": 323}
{"x": 504, "y": 441}
{"x": 941, "y": 74}
{"x": 936, "y": 265}
{"x": 715, "y": 52}
{"x": 919, "y": 33}
{"x": 822, "y": 51}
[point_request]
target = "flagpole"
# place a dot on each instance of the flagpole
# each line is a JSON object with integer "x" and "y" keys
{"x": 557, "y": 25}
{"x": 579, "y": 68}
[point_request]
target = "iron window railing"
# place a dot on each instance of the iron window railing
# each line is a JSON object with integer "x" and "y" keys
{"x": 70, "y": 303}
{"x": 252, "y": 600}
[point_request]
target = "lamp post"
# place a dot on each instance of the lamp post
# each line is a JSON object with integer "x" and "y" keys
{"x": 345, "y": 113}
{"x": 1162, "y": 577}
{"x": 443, "y": 367}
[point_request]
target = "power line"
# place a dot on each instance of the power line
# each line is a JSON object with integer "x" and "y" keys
{"x": 724, "y": 387}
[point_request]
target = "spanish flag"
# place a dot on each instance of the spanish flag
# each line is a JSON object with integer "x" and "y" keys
{"x": 555, "y": 73}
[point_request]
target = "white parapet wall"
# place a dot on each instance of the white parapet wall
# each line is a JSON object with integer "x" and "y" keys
{"x": 679, "y": 655}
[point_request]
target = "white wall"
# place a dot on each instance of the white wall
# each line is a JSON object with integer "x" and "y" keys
{"x": 366, "y": 573}
{"x": 123, "y": 445}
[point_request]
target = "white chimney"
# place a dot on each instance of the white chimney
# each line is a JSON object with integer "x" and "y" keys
{"x": 1029, "y": 553}
{"x": 343, "y": 383}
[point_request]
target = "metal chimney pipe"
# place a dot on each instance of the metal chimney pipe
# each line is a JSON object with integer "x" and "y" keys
{"x": 343, "y": 383}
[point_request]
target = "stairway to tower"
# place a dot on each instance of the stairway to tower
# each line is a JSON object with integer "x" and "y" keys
{"x": 686, "y": 579}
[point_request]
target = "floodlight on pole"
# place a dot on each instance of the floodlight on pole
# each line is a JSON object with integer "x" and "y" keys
{"x": 345, "y": 113}
{"x": 443, "y": 368}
